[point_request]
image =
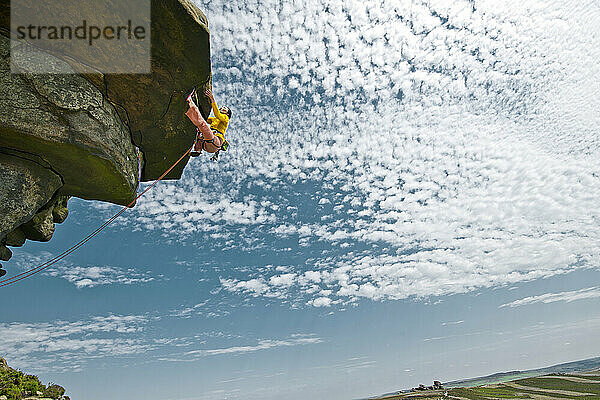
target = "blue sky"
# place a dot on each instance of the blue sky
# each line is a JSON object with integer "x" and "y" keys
{"x": 411, "y": 194}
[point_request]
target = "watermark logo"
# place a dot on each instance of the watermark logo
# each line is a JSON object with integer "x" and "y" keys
{"x": 87, "y": 36}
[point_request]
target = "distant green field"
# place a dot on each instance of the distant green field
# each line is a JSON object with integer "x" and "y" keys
{"x": 484, "y": 393}
{"x": 539, "y": 391}
{"x": 560, "y": 384}
{"x": 503, "y": 392}
{"x": 590, "y": 377}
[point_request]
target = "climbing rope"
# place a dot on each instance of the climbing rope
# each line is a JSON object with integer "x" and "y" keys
{"x": 41, "y": 267}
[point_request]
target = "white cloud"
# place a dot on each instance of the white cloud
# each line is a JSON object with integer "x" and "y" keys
{"x": 84, "y": 276}
{"x": 255, "y": 287}
{"x": 567, "y": 297}
{"x": 66, "y": 345}
{"x": 187, "y": 312}
{"x": 452, "y": 323}
{"x": 320, "y": 302}
{"x": 283, "y": 280}
{"x": 61, "y": 345}
{"x": 312, "y": 276}
{"x": 264, "y": 344}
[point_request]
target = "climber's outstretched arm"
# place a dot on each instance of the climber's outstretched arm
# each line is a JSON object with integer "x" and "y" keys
{"x": 218, "y": 114}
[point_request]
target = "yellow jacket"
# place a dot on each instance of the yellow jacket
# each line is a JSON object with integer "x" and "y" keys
{"x": 220, "y": 121}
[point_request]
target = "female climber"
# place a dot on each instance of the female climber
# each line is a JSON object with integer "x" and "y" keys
{"x": 211, "y": 138}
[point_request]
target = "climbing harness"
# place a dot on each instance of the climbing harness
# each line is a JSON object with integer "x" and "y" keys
{"x": 224, "y": 144}
{"x": 41, "y": 267}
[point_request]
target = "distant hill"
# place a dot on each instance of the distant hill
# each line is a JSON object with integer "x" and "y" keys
{"x": 574, "y": 366}
{"x": 570, "y": 380}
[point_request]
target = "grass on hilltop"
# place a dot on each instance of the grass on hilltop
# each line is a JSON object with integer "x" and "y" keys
{"x": 561, "y": 384}
{"x": 16, "y": 385}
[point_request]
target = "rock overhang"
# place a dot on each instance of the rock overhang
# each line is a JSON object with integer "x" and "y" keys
{"x": 151, "y": 106}
{"x": 82, "y": 128}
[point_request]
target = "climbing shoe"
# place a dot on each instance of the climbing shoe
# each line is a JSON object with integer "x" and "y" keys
{"x": 189, "y": 96}
{"x": 194, "y": 154}
{"x": 2, "y": 272}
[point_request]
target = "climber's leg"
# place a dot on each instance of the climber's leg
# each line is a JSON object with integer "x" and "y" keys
{"x": 193, "y": 113}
